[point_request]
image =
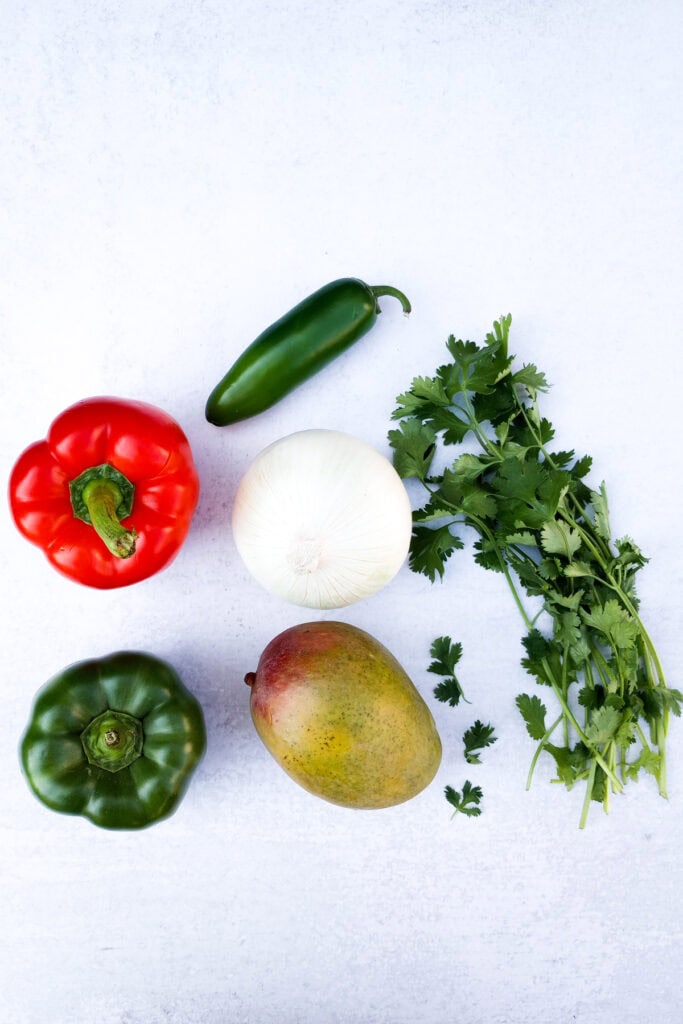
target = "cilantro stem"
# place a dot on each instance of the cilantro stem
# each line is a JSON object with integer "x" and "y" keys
{"x": 613, "y": 765}
{"x": 660, "y": 732}
{"x": 565, "y": 669}
{"x": 540, "y": 748}
{"x": 642, "y": 737}
{"x": 601, "y": 665}
{"x": 484, "y": 441}
{"x": 485, "y": 532}
{"x": 588, "y": 795}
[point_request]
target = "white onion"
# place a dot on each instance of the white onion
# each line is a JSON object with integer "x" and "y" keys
{"x": 322, "y": 519}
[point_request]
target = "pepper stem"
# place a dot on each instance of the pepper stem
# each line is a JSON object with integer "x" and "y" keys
{"x": 102, "y": 496}
{"x": 102, "y": 499}
{"x": 386, "y": 289}
{"x": 113, "y": 740}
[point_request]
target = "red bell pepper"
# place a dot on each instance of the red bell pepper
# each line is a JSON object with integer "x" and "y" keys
{"x": 110, "y": 494}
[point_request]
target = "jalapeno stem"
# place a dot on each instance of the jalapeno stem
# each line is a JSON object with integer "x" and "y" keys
{"x": 386, "y": 289}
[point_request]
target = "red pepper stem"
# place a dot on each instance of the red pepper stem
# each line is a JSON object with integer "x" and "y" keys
{"x": 102, "y": 498}
{"x": 386, "y": 289}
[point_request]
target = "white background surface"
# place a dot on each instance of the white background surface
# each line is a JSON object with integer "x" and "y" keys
{"x": 173, "y": 177}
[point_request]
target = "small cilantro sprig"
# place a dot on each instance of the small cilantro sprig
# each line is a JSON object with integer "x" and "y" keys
{"x": 476, "y": 739}
{"x": 539, "y": 525}
{"x": 465, "y": 802}
{"x": 446, "y": 656}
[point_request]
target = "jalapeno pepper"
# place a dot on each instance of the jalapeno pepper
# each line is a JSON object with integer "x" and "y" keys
{"x": 109, "y": 495}
{"x": 115, "y": 740}
{"x": 296, "y": 346}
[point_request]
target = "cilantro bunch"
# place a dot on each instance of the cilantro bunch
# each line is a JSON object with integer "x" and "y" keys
{"x": 541, "y": 525}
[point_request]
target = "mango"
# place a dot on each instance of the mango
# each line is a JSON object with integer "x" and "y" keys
{"x": 341, "y": 717}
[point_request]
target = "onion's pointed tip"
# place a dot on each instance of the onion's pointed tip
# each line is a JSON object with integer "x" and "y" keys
{"x": 250, "y": 678}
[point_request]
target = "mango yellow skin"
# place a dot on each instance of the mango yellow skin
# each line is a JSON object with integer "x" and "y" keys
{"x": 341, "y": 717}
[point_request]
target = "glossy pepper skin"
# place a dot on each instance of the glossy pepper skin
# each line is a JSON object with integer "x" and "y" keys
{"x": 296, "y": 346}
{"x": 109, "y": 494}
{"x": 115, "y": 740}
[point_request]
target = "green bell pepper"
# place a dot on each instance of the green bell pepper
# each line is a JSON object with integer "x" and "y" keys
{"x": 114, "y": 739}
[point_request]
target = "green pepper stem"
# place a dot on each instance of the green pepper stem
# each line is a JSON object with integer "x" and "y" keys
{"x": 113, "y": 740}
{"x": 386, "y": 289}
{"x": 102, "y": 499}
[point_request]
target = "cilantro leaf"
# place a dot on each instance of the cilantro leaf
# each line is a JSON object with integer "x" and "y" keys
{"x": 603, "y": 725}
{"x": 408, "y": 404}
{"x": 672, "y": 700}
{"x": 476, "y": 739}
{"x": 432, "y": 511}
{"x": 530, "y": 378}
{"x": 466, "y": 495}
{"x": 561, "y": 459}
{"x": 519, "y": 479}
{"x": 430, "y": 548}
{"x": 446, "y": 655}
{"x": 474, "y": 369}
{"x": 469, "y": 468}
{"x": 581, "y": 467}
{"x": 497, "y": 406}
{"x": 648, "y": 760}
{"x": 533, "y": 491}
{"x": 414, "y": 445}
{"x": 488, "y": 554}
{"x": 629, "y": 553}
{"x": 466, "y": 802}
{"x": 601, "y": 512}
{"x": 570, "y": 762}
{"x": 591, "y": 697}
{"x": 533, "y": 711}
{"x": 449, "y": 691}
{"x": 453, "y": 426}
{"x": 430, "y": 389}
{"x": 543, "y": 658}
{"x": 567, "y": 628}
{"x": 528, "y": 435}
{"x": 558, "y": 538}
{"x": 576, "y": 569}
{"x": 614, "y": 622}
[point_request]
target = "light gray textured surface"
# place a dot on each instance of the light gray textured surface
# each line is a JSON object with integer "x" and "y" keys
{"x": 175, "y": 175}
